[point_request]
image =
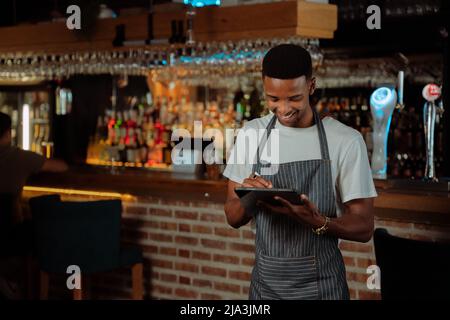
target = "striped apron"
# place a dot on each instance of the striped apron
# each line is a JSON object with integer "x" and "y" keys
{"x": 292, "y": 262}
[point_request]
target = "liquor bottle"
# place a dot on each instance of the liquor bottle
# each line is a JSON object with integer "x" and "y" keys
{"x": 34, "y": 146}
{"x": 407, "y": 169}
{"x": 255, "y": 104}
{"x": 117, "y": 125}
{"x": 111, "y": 128}
{"x": 124, "y": 128}
{"x": 365, "y": 115}
{"x": 417, "y": 167}
{"x": 121, "y": 132}
{"x": 132, "y": 119}
{"x": 190, "y": 117}
{"x": 142, "y": 146}
{"x": 181, "y": 38}
{"x": 239, "y": 108}
{"x": 172, "y": 113}
{"x": 399, "y": 164}
{"x": 98, "y": 129}
{"x": 149, "y": 132}
{"x": 167, "y": 153}
{"x": 156, "y": 110}
{"x": 146, "y": 114}
{"x": 173, "y": 34}
{"x": 246, "y": 107}
{"x": 346, "y": 116}
{"x": 130, "y": 146}
{"x": 40, "y": 140}
{"x": 105, "y": 130}
{"x": 335, "y": 108}
{"x": 183, "y": 114}
{"x": 159, "y": 128}
{"x": 163, "y": 111}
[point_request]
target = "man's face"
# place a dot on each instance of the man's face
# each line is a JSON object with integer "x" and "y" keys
{"x": 288, "y": 99}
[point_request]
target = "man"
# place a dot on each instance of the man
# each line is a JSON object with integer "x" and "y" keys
{"x": 16, "y": 166}
{"x": 297, "y": 254}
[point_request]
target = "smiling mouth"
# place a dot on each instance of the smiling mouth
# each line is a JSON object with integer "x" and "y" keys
{"x": 289, "y": 115}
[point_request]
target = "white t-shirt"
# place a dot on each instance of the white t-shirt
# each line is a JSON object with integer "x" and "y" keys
{"x": 350, "y": 166}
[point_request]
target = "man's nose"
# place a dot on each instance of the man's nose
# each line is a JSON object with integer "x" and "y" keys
{"x": 283, "y": 107}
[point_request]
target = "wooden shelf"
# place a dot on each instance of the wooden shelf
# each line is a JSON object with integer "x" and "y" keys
{"x": 268, "y": 20}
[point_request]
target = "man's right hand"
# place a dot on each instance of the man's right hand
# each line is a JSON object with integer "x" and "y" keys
{"x": 256, "y": 182}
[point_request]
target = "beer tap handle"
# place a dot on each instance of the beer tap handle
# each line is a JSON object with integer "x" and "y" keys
{"x": 431, "y": 92}
{"x": 400, "y": 86}
{"x": 440, "y": 108}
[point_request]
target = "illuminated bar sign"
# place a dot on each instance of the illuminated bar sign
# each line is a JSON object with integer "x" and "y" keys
{"x": 202, "y": 3}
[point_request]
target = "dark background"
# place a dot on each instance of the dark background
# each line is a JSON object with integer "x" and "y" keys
{"x": 406, "y": 33}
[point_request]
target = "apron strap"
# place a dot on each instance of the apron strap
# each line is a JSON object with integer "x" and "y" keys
{"x": 321, "y": 131}
{"x": 269, "y": 128}
{"x": 322, "y": 136}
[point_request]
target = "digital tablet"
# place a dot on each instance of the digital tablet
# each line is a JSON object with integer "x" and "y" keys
{"x": 267, "y": 195}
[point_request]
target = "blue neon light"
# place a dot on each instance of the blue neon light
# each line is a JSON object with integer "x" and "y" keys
{"x": 381, "y": 97}
{"x": 202, "y": 3}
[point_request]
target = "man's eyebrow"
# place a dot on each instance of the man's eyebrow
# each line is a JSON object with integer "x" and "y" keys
{"x": 291, "y": 97}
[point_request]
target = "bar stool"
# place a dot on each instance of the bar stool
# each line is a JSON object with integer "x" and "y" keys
{"x": 84, "y": 234}
{"x": 412, "y": 269}
{"x": 6, "y": 213}
{"x": 16, "y": 238}
{"x": 6, "y": 219}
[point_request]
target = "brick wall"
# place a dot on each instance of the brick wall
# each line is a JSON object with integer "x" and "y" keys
{"x": 191, "y": 253}
{"x": 191, "y": 250}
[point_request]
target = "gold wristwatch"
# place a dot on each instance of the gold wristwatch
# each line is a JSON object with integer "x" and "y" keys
{"x": 321, "y": 230}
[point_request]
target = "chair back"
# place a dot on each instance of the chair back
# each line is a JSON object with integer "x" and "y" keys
{"x": 412, "y": 269}
{"x": 85, "y": 234}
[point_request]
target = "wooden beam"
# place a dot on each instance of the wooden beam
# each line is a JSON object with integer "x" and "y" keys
{"x": 57, "y": 32}
{"x": 316, "y": 19}
{"x": 266, "y": 20}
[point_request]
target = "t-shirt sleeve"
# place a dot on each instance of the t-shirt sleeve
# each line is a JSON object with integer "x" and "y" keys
{"x": 354, "y": 174}
{"x": 239, "y": 163}
{"x": 32, "y": 162}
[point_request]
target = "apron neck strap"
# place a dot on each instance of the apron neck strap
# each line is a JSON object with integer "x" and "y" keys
{"x": 322, "y": 136}
{"x": 321, "y": 131}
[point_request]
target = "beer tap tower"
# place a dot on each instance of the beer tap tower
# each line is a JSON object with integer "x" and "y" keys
{"x": 431, "y": 93}
{"x": 382, "y": 103}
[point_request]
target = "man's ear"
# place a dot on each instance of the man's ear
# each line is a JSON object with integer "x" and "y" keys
{"x": 312, "y": 86}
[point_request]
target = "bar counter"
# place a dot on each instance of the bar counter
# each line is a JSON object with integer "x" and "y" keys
{"x": 192, "y": 253}
{"x": 409, "y": 204}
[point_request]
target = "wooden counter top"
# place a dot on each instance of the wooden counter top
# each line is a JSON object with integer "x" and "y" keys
{"x": 411, "y": 205}
{"x": 135, "y": 181}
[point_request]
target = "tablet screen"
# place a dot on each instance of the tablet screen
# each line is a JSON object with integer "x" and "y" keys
{"x": 267, "y": 195}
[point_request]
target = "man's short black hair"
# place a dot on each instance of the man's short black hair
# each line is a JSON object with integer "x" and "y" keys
{"x": 5, "y": 123}
{"x": 287, "y": 61}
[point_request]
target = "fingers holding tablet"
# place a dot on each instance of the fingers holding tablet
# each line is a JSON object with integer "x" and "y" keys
{"x": 256, "y": 181}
